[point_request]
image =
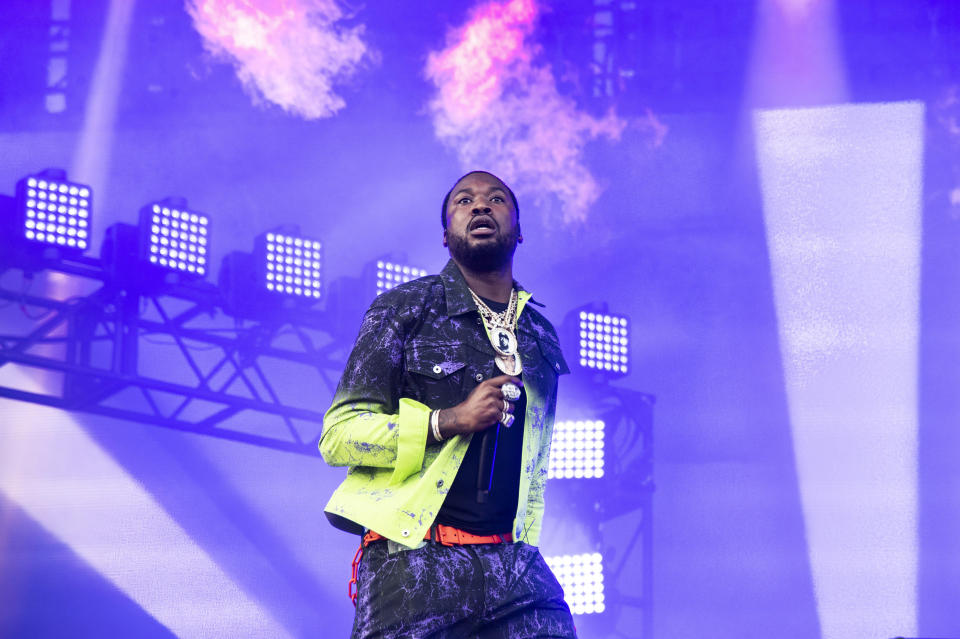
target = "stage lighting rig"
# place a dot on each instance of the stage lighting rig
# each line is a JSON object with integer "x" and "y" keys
{"x": 602, "y": 340}
{"x": 174, "y": 238}
{"x": 577, "y": 450}
{"x": 169, "y": 247}
{"x": 51, "y": 212}
{"x": 284, "y": 272}
{"x": 391, "y": 273}
{"x": 289, "y": 264}
{"x": 581, "y": 577}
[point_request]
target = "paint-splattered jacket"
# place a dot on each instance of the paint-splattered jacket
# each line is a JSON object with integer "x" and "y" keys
{"x": 422, "y": 346}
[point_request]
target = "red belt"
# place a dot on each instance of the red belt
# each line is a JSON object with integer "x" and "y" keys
{"x": 446, "y": 535}
{"x": 449, "y": 536}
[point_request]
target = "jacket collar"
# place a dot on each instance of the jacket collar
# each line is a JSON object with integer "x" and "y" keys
{"x": 457, "y": 293}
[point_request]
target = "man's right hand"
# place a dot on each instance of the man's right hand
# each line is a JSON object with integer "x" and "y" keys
{"x": 482, "y": 408}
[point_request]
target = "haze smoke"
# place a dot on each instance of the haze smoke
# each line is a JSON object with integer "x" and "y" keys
{"x": 501, "y": 110}
{"x": 287, "y": 52}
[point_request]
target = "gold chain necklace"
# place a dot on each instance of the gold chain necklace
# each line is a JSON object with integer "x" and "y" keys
{"x": 500, "y": 331}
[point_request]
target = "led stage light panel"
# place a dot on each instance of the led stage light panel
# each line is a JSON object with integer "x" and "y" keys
{"x": 177, "y": 239}
{"x": 391, "y": 274}
{"x": 56, "y": 212}
{"x": 577, "y": 450}
{"x": 581, "y": 577}
{"x": 292, "y": 265}
{"x": 603, "y": 342}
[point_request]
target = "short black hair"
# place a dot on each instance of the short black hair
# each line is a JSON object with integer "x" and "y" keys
{"x": 446, "y": 198}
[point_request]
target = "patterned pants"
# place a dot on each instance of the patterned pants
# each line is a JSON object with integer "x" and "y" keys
{"x": 445, "y": 592}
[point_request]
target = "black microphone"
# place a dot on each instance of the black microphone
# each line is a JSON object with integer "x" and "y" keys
{"x": 485, "y": 470}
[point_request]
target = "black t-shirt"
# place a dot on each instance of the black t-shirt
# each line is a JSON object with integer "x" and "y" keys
{"x": 461, "y": 508}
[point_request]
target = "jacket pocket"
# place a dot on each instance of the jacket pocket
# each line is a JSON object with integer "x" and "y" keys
{"x": 434, "y": 372}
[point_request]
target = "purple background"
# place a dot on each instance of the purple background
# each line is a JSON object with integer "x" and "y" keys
{"x": 676, "y": 242}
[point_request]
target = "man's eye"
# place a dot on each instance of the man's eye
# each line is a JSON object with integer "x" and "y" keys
{"x": 463, "y": 200}
{"x": 496, "y": 198}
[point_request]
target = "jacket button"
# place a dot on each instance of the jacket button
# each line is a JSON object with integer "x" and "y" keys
{"x": 479, "y": 321}
{"x": 405, "y": 533}
{"x": 437, "y": 370}
{"x": 439, "y": 483}
{"x": 557, "y": 365}
{"x": 479, "y": 377}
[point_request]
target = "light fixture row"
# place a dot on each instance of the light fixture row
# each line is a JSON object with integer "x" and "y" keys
{"x": 55, "y": 214}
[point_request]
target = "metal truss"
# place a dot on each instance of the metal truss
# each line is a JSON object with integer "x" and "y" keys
{"x": 625, "y": 501}
{"x": 175, "y": 359}
{"x": 170, "y": 359}
{"x": 611, "y": 68}
{"x": 58, "y": 59}
{"x": 630, "y": 454}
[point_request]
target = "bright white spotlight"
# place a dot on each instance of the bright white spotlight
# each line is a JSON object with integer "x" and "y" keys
{"x": 54, "y": 211}
{"x": 842, "y": 195}
{"x": 603, "y": 341}
{"x": 577, "y": 450}
{"x": 173, "y": 238}
{"x": 391, "y": 274}
{"x": 581, "y": 577}
{"x": 53, "y": 469}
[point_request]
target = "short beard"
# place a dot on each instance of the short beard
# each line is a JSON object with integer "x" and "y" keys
{"x": 486, "y": 257}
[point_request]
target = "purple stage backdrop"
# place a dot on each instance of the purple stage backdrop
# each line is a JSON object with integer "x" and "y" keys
{"x": 763, "y": 194}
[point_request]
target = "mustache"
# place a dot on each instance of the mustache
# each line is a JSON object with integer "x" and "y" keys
{"x": 483, "y": 218}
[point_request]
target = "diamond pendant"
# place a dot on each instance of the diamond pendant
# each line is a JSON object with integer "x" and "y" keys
{"x": 503, "y": 340}
{"x": 509, "y": 364}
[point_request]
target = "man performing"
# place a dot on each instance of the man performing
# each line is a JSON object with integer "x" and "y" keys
{"x": 444, "y": 415}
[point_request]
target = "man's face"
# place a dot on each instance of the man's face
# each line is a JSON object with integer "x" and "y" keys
{"x": 482, "y": 230}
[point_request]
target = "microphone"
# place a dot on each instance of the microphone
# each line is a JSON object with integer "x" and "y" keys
{"x": 511, "y": 393}
{"x": 485, "y": 474}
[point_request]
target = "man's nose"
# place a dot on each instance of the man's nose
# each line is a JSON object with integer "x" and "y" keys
{"x": 481, "y": 210}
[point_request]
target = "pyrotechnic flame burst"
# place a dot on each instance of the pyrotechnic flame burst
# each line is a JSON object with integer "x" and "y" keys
{"x": 499, "y": 109}
{"x": 288, "y": 52}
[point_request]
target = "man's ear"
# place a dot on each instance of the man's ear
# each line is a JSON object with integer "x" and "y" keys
{"x": 444, "y": 237}
{"x": 519, "y": 235}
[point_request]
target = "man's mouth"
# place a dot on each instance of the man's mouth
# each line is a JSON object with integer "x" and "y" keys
{"x": 483, "y": 225}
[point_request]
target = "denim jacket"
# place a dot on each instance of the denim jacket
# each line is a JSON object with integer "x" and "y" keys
{"x": 422, "y": 346}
